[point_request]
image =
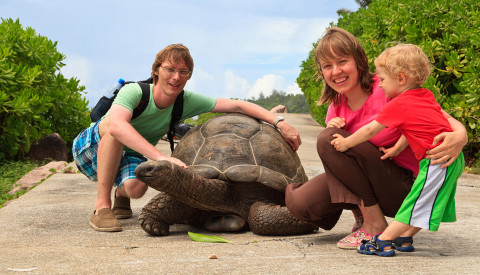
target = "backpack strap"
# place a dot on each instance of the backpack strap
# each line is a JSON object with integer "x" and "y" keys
{"x": 142, "y": 105}
{"x": 176, "y": 116}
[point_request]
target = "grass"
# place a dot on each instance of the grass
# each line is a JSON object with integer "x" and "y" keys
{"x": 10, "y": 173}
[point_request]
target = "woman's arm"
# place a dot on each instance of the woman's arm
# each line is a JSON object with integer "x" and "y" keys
{"x": 452, "y": 143}
{"x": 289, "y": 133}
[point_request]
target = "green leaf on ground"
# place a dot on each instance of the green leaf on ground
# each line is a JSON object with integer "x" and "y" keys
{"x": 206, "y": 238}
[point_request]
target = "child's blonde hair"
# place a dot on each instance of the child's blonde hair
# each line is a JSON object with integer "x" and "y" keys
{"x": 408, "y": 59}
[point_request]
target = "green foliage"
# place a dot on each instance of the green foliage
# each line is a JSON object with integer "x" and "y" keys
{"x": 201, "y": 118}
{"x": 294, "y": 103}
{"x": 447, "y": 31}
{"x": 35, "y": 98}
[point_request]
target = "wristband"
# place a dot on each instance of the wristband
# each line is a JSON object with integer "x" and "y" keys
{"x": 277, "y": 120}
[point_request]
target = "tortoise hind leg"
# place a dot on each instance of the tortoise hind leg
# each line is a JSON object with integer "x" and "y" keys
{"x": 275, "y": 220}
{"x": 223, "y": 222}
{"x": 163, "y": 211}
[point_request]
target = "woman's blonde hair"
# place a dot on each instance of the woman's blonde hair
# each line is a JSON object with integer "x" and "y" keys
{"x": 175, "y": 53}
{"x": 336, "y": 43}
{"x": 408, "y": 59}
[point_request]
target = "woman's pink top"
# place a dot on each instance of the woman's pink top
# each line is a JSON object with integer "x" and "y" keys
{"x": 368, "y": 112}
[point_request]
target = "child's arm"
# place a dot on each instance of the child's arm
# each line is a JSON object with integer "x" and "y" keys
{"x": 363, "y": 134}
{"x": 396, "y": 149}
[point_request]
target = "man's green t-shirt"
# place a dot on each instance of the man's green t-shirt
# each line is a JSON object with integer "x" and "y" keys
{"x": 154, "y": 123}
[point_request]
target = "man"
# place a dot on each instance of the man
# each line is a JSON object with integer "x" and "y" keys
{"x": 111, "y": 149}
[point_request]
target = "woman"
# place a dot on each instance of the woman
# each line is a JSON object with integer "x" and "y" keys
{"x": 364, "y": 179}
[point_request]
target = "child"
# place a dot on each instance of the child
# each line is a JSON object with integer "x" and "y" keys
{"x": 402, "y": 69}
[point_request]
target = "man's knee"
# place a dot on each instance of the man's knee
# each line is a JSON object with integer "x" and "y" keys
{"x": 135, "y": 188}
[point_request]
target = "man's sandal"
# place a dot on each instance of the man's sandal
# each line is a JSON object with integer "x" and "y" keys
{"x": 399, "y": 242}
{"x": 376, "y": 247}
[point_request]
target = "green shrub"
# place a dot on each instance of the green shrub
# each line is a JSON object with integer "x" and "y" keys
{"x": 447, "y": 31}
{"x": 35, "y": 98}
{"x": 293, "y": 103}
{"x": 202, "y": 118}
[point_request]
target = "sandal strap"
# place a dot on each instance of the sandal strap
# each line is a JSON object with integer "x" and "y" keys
{"x": 378, "y": 244}
{"x": 399, "y": 241}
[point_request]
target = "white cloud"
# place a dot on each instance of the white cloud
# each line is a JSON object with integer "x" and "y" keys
{"x": 271, "y": 82}
{"x": 293, "y": 89}
{"x": 198, "y": 79}
{"x": 235, "y": 85}
{"x": 265, "y": 85}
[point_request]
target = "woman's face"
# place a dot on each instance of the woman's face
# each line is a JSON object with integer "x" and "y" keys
{"x": 341, "y": 74}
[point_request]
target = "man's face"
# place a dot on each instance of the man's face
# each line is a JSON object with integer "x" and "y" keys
{"x": 172, "y": 77}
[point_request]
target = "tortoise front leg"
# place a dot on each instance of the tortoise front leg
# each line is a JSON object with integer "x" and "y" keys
{"x": 163, "y": 211}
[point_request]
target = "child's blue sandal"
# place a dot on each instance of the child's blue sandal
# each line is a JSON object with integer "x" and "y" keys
{"x": 398, "y": 244}
{"x": 376, "y": 247}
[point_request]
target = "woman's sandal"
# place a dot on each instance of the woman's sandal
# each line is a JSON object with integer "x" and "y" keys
{"x": 377, "y": 247}
{"x": 399, "y": 244}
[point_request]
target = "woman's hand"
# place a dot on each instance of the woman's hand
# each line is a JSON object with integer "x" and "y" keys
{"x": 452, "y": 143}
{"x": 337, "y": 122}
{"x": 448, "y": 151}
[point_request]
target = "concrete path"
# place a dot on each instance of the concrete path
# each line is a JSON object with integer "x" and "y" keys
{"x": 46, "y": 231}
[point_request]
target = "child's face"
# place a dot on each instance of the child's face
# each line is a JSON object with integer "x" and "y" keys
{"x": 388, "y": 83}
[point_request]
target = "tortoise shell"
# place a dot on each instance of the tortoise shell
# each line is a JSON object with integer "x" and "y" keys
{"x": 240, "y": 149}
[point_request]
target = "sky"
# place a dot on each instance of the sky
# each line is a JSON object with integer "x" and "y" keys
{"x": 240, "y": 48}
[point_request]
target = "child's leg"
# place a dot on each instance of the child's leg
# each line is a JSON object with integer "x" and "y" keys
{"x": 411, "y": 232}
{"x": 394, "y": 230}
{"x": 404, "y": 243}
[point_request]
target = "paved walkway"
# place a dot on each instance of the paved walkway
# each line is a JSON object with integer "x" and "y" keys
{"x": 46, "y": 231}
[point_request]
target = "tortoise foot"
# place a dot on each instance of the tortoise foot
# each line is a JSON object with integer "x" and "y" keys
{"x": 276, "y": 220}
{"x": 225, "y": 223}
{"x": 152, "y": 225}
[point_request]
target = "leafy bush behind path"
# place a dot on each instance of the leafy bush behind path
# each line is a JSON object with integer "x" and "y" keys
{"x": 35, "y": 98}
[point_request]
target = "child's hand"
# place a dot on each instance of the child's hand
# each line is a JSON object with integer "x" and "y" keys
{"x": 339, "y": 143}
{"x": 396, "y": 149}
{"x": 390, "y": 153}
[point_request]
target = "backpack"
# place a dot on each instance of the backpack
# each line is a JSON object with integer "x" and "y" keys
{"x": 104, "y": 104}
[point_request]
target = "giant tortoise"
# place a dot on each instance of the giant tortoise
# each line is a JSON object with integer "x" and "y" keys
{"x": 237, "y": 167}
